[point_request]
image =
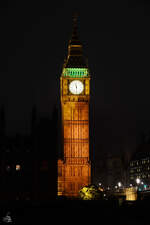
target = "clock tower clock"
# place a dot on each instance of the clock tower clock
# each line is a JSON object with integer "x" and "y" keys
{"x": 74, "y": 170}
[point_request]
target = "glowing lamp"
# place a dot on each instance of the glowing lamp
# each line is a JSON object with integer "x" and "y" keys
{"x": 138, "y": 180}
{"x": 18, "y": 167}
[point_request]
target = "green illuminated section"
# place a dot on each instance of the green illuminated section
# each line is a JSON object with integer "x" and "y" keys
{"x": 75, "y": 72}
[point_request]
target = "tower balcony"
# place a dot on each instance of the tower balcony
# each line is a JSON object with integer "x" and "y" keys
{"x": 77, "y": 160}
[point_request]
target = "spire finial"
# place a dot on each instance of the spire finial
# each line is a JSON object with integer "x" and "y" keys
{"x": 75, "y": 18}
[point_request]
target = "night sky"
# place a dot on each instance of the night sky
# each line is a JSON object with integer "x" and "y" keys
{"x": 116, "y": 39}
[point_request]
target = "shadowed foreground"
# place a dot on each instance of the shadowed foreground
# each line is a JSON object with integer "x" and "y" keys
{"x": 102, "y": 212}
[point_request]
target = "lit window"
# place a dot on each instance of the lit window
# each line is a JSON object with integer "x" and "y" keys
{"x": 18, "y": 167}
{"x": 131, "y": 171}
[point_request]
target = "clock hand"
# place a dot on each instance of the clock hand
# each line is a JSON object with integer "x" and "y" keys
{"x": 76, "y": 88}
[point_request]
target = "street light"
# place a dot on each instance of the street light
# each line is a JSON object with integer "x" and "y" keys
{"x": 119, "y": 184}
{"x": 138, "y": 181}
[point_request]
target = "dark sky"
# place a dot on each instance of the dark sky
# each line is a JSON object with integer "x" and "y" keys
{"x": 116, "y": 40}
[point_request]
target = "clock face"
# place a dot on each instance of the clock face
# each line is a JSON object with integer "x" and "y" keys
{"x": 76, "y": 87}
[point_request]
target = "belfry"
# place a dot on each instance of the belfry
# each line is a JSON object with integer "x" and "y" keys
{"x": 74, "y": 169}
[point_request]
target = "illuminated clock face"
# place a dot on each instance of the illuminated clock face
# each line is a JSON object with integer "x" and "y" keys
{"x": 76, "y": 87}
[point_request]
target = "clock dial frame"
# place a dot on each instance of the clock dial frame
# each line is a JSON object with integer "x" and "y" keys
{"x": 76, "y": 87}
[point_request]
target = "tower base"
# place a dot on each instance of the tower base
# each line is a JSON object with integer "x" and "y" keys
{"x": 72, "y": 177}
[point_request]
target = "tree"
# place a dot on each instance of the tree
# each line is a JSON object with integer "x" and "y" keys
{"x": 90, "y": 192}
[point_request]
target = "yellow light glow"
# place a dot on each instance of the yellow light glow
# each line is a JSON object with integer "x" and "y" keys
{"x": 18, "y": 167}
{"x": 131, "y": 194}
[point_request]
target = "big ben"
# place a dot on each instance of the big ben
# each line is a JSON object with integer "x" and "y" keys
{"x": 74, "y": 169}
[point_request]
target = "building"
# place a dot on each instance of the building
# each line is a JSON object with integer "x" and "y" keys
{"x": 131, "y": 194}
{"x": 139, "y": 166}
{"x": 74, "y": 169}
{"x": 28, "y": 163}
{"x": 109, "y": 170}
{"x": 115, "y": 170}
{"x": 16, "y": 168}
{"x": 45, "y": 159}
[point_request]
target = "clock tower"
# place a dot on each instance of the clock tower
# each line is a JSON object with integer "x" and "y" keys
{"x": 74, "y": 170}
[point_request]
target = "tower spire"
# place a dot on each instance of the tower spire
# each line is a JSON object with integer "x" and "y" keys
{"x": 74, "y": 38}
{"x": 75, "y": 58}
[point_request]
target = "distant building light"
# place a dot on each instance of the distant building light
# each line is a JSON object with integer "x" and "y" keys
{"x": 8, "y": 168}
{"x": 18, "y": 167}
